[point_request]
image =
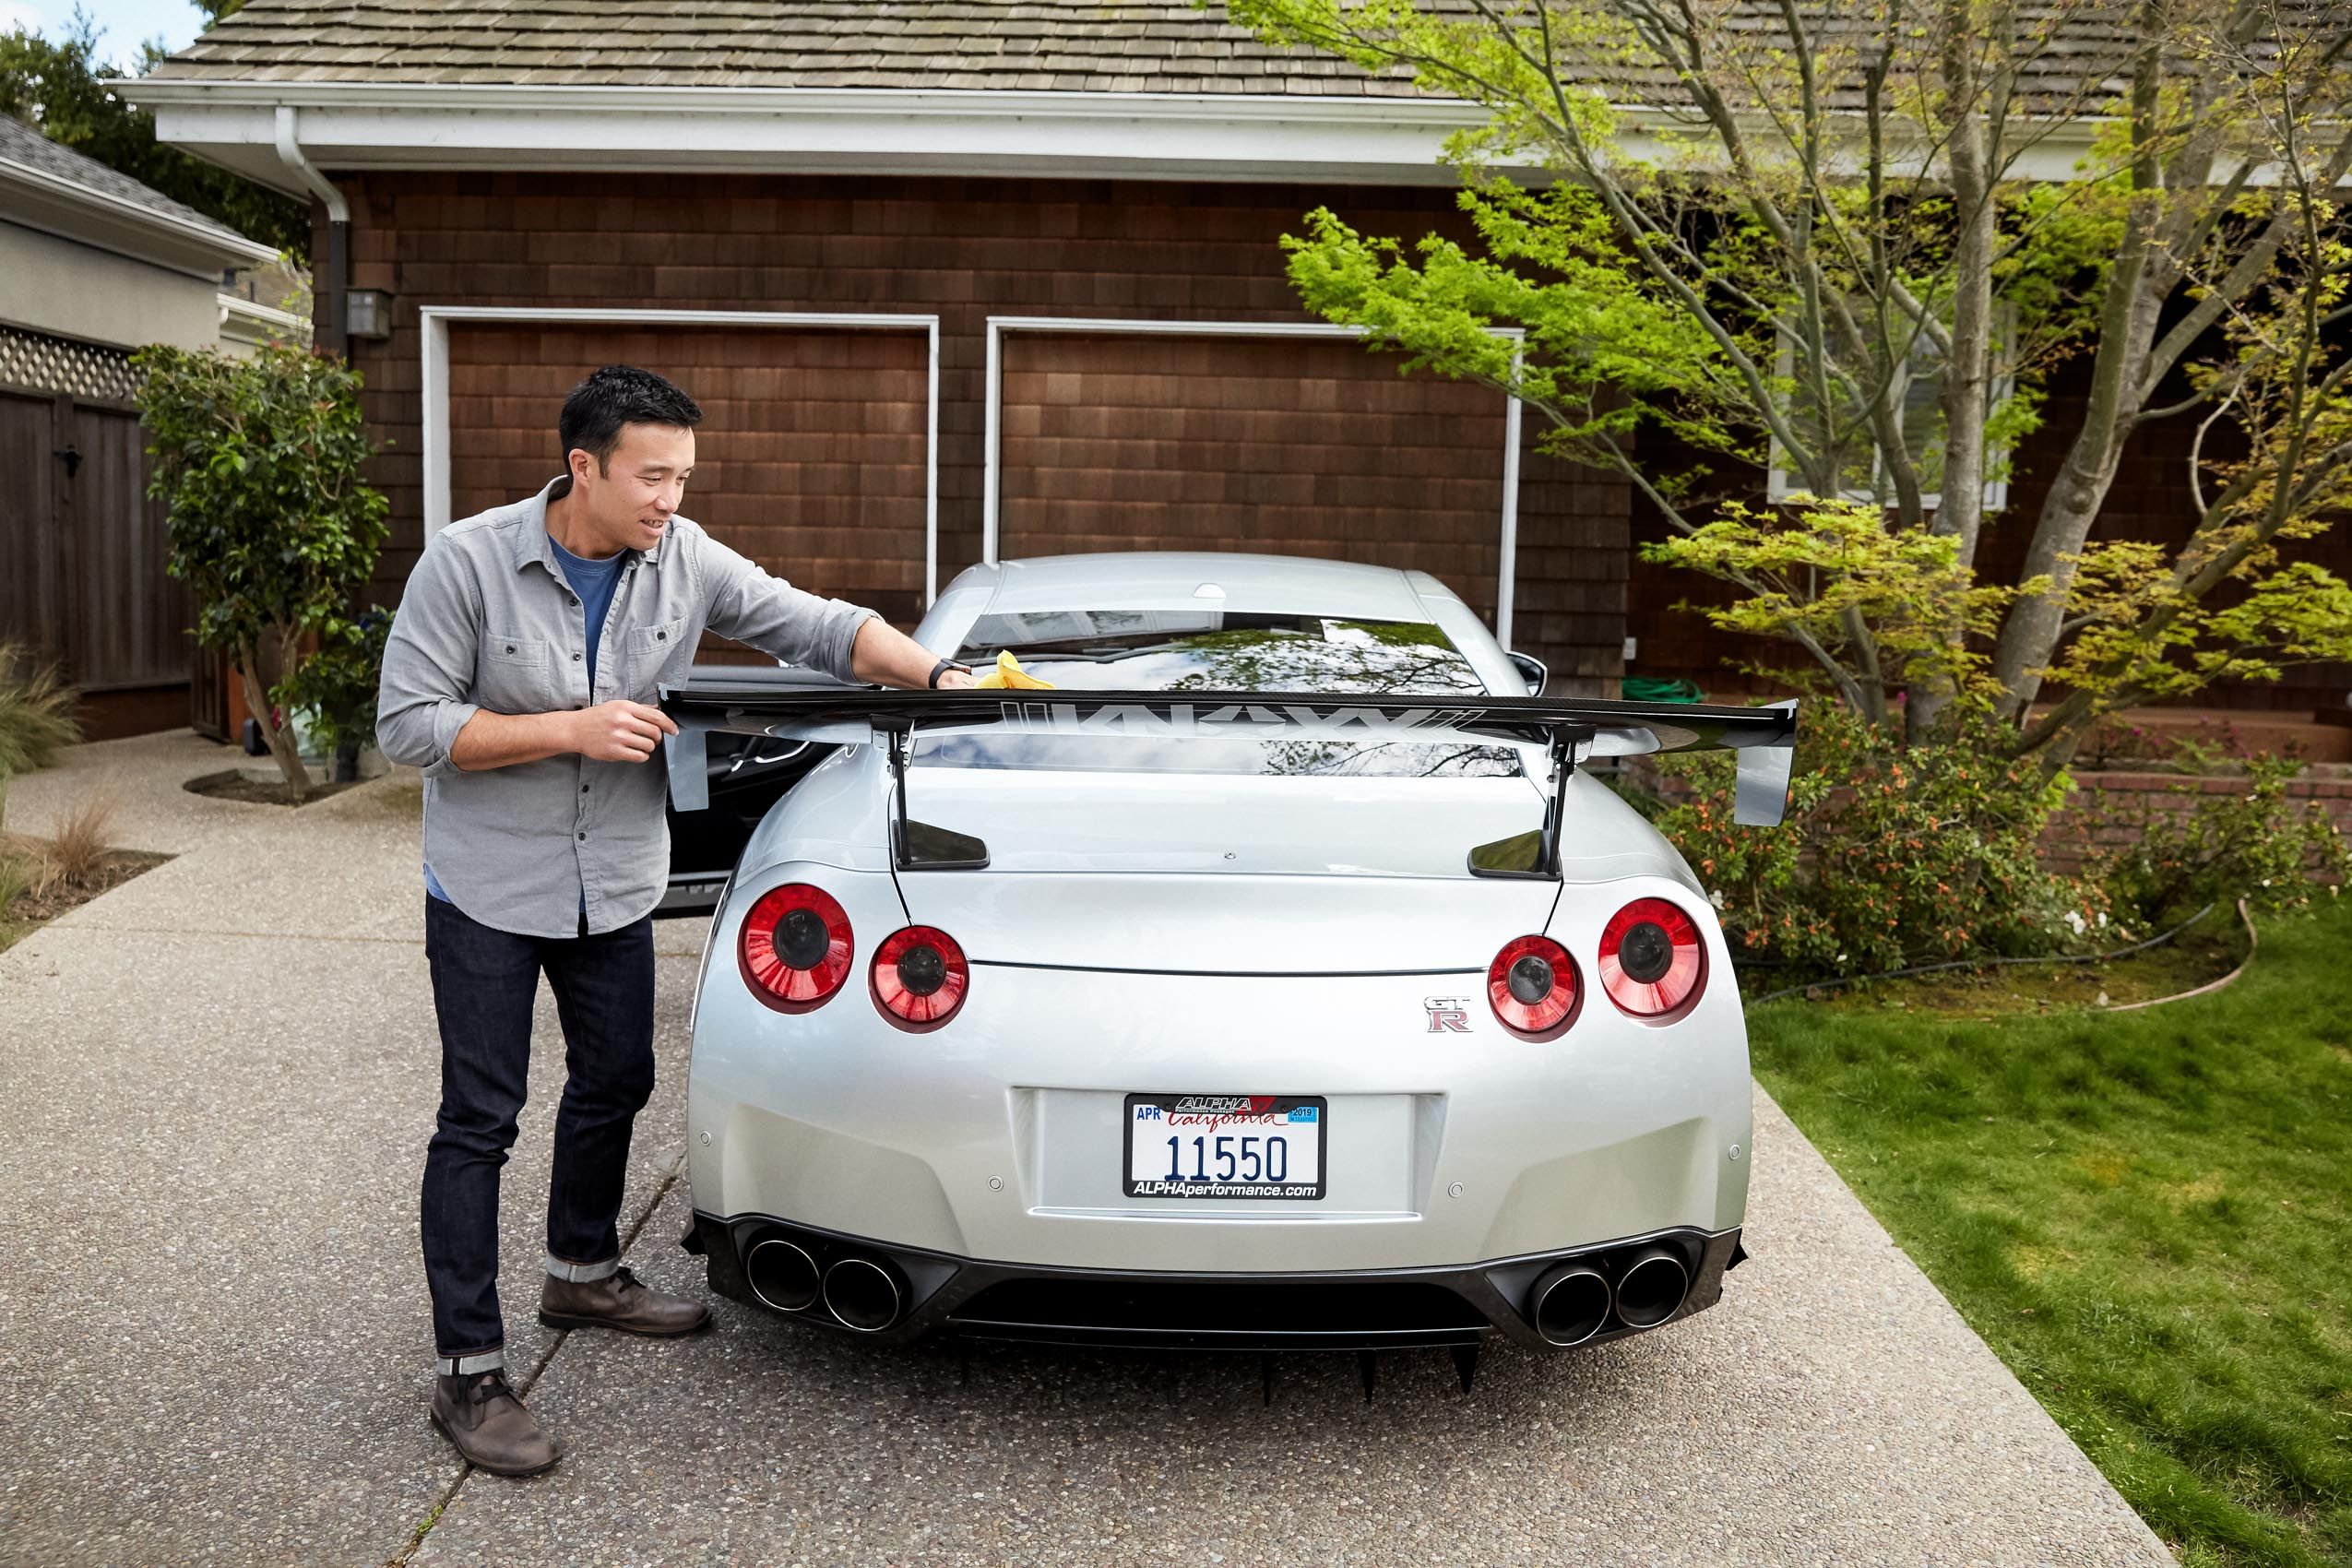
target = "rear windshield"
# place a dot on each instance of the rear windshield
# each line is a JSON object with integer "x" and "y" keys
{"x": 1223, "y": 650}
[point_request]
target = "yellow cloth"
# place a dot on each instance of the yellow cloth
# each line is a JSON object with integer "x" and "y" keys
{"x": 1008, "y": 673}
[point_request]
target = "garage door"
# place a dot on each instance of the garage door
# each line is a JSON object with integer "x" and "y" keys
{"x": 1303, "y": 447}
{"x": 810, "y": 459}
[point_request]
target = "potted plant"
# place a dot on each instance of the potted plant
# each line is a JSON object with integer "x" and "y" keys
{"x": 336, "y": 687}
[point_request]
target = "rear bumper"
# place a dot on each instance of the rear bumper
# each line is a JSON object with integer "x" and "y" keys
{"x": 935, "y": 1293}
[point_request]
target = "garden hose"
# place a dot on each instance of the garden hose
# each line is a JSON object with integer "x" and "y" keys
{"x": 2001, "y": 963}
{"x": 1658, "y": 688}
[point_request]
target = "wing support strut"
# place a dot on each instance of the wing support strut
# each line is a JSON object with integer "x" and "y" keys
{"x": 922, "y": 846}
{"x": 1535, "y": 856}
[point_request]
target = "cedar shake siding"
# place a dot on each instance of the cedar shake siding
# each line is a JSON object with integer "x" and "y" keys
{"x": 811, "y": 456}
{"x": 810, "y": 459}
{"x": 1250, "y": 444}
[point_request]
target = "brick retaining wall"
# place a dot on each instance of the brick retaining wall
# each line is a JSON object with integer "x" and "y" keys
{"x": 2105, "y": 805}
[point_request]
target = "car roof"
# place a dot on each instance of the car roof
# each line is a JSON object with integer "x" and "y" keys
{"x": 1258, "y": 582}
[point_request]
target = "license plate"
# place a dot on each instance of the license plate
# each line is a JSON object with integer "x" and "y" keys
{"x": 1219, "y": 1145}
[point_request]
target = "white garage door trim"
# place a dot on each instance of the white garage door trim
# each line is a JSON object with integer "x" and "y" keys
{"x": 993, "y": 473}
{"x": 435, "y": 320}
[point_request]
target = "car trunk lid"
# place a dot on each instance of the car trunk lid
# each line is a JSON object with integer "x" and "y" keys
{"x": 1227, "y": 875}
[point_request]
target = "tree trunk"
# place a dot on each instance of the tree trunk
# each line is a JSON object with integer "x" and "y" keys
{"x": 281, "y": 737}
{"x": 2119, "y": 374}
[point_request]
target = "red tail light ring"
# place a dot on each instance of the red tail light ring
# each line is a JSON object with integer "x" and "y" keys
{"x": 795, "y": 948}
{"x": 1532, "y": 987}
{"x": 920, "y": 978}
{"x": 1653, "y": 961}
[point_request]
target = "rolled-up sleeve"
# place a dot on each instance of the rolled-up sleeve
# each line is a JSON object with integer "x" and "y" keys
{"x": 429, "y": 663}
{"x": 773, "y": 616}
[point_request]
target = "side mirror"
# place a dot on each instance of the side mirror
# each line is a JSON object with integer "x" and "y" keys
{"x": 1534, "y": 670}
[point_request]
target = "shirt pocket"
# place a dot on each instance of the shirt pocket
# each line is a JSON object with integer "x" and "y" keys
{"x": 664, "y": 651}
{"x": 513, "y": 676}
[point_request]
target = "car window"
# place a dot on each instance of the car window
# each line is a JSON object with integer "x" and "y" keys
{"x": 1213, "y": 650}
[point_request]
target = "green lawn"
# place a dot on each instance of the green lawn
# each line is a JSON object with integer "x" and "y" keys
{"x": 2148, "y": 1215}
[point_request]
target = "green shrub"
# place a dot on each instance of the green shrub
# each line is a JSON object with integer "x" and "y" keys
{"x": 36, "y": 716}
{"x": 338, "y": 684}
{"x": 1892, "y": 854}
{"x": 259, "y": 461}
{"x": 2195, "y": 846}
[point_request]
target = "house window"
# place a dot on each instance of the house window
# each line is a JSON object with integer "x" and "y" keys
{"x": 1918, "y": 391}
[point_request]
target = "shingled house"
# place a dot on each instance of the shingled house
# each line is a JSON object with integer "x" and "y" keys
{"x": 953, "y": 278}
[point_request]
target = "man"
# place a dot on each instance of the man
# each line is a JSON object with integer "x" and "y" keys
{"x": 520, "y": 677}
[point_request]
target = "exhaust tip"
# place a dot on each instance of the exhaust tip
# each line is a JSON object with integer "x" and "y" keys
{"x": 782, "y": 1274}
{"x": 1650, "y": 1289}
{"x": 1569, "y": 1303}
{"x": 862, "y": 1294}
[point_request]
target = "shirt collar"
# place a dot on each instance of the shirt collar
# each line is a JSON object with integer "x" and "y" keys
{"x": 536, "y": 544}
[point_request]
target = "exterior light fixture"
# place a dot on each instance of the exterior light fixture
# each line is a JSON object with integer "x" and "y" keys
{"x": 367, "y": 312}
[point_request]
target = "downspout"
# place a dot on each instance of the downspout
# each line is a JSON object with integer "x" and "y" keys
{"x": 329, "y": 333}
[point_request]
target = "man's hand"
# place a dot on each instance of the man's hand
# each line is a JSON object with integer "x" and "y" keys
{"x": 612, "y": 731}
{"x": 956, "y": 680}
{"x": 620, "y": 731}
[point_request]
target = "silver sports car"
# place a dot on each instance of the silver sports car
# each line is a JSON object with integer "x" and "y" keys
{"x": 1275, "y": 980}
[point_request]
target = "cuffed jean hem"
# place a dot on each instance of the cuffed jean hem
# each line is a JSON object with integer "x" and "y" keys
{"x": 583, "y": 1273}
{"x": 465, "y": 1366}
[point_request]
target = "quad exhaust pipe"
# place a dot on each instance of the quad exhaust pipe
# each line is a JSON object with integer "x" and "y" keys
{"x": 1651, "y": 1287}
{"x": 782, "y": 1274}
{"x": 861, "y": 1293}
{"x": 1572, "y": 1301}
{"x": 1569, "y": 1303}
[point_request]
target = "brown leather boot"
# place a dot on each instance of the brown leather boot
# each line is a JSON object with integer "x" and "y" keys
{"x": 486, "y": 1421}
{"x": 620, "y": 1302}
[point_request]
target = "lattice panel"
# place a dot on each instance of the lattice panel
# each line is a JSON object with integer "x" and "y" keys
{"x": 42, "y": 363}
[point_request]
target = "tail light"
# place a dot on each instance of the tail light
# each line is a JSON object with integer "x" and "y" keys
{"x": 1532, "y": 985}
{"x": 795, "y": 948}
{"x": 1652, "y": 960}
{"x": 920, "y": 978}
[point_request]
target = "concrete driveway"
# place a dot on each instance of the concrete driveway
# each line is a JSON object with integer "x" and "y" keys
{"x": 218, "y": 1083}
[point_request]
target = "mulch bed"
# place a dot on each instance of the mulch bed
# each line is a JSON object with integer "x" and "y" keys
{"x": 233, "y": 785}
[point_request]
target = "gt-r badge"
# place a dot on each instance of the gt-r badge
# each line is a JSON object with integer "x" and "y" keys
{"x": 1448, "y": 1015}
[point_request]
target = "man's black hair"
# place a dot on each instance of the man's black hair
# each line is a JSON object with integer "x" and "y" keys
{"x": 616, "y": 396}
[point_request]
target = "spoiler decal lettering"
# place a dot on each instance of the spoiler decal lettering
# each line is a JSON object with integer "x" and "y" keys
{"x": 1165, "y": 719}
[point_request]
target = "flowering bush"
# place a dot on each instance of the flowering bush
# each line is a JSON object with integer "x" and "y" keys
{"x": 2193, "y": 846}
{"x": 1892, "y": 854}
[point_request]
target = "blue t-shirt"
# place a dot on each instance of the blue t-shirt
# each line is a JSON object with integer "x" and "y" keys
{"x": 594, "y": 581}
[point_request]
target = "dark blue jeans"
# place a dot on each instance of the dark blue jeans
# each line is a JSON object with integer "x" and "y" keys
{"x": 484, "y": 982}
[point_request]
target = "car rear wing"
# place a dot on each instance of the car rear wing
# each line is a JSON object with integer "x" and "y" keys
{"x": 1570, "y": 730}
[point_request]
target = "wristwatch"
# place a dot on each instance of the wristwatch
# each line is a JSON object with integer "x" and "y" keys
{"x": 942, "y": 668}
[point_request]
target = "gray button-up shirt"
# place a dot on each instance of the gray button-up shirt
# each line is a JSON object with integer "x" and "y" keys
{"x": 489, "y": 622}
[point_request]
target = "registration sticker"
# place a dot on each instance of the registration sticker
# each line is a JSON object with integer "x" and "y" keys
{"x": 1209, "y": 1145}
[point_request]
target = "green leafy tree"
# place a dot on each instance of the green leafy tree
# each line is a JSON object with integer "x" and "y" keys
{"x": 66, "y": 91}
{"x": 271, "y": 525}
{"x": 1849, "y": 245}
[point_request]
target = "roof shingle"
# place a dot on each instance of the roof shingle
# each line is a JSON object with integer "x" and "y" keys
{"x": 1128, "y": 46}
{"x": 25, "y": 146}
{"x": 1069, "y": 45}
